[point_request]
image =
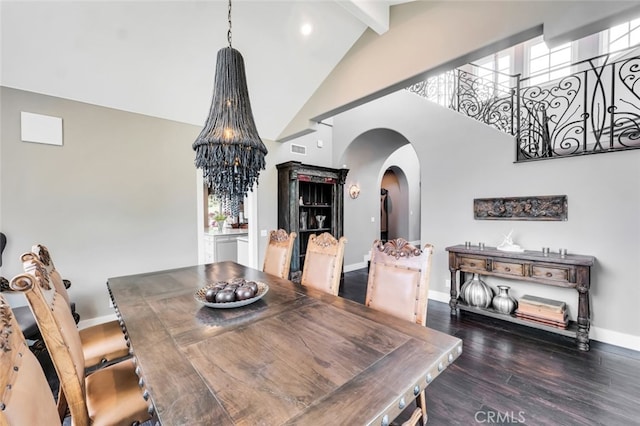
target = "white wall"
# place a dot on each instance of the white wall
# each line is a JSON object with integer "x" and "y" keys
{"x": 117, "y": 198}
{"x": 461, "y": 159}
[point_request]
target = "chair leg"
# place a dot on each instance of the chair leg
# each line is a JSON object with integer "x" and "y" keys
{"x": 421, "y": 402}
{"x": 415, "y": 418}
{"x": 63, "y": 408}
{"x": 419, "y": 415}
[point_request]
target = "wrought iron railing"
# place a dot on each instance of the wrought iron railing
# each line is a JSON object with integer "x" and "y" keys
{"x": 486, "y": 99}
{"x": 595, "y": 109}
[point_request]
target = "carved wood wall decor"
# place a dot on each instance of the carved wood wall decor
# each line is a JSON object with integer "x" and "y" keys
{"x": 550, "y": 207}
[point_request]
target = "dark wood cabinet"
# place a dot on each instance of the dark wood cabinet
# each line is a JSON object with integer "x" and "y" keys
{"x": 310, "y": 201}
{"x": 570, "y": 271}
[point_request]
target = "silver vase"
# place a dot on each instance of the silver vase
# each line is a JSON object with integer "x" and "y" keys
{"x": 504, "y": 302}
{"x": 476, "y": 292}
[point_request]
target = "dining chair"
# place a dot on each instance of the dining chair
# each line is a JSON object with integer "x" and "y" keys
{"x": 111, "y": 395}
{"x": 277, "y": 259}
{"x": 398, "y": 284}
{"x": 102, "y": 343}
{"x": 22, "y": 314}
{"x": 323, "y": 263}
{"x": 61, "y": 284}
{"x": 25, "y": 395}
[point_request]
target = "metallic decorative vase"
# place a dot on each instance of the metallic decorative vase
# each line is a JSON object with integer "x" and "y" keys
{"x": 503, "y": 302}
{"x": 476, "y": 292}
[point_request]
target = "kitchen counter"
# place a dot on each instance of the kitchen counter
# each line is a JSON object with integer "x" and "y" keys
{"x": 226, "y": 231}
{"x": 222, "y": 245}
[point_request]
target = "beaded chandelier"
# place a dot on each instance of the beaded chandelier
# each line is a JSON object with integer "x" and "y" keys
{"x": 228, "y": 149}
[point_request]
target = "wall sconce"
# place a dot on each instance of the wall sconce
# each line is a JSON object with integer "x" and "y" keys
{"x": 354, "y": 191}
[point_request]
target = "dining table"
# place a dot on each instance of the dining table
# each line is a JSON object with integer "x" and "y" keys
{"x": 293, "y": 356}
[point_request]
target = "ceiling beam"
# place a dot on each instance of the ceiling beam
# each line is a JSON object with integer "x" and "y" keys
{"x": 374, "y": 14}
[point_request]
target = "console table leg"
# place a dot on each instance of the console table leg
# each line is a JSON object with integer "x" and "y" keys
{"x": 453, "y": 302}
{"x": 583, "y": 320}
{"x": 582, "y": 337}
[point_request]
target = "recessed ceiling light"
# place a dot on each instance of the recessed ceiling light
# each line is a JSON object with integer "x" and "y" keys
{"x": 306, "y": 29}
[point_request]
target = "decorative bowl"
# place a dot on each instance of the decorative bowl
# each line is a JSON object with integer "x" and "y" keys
{"x": 200, "y": 297}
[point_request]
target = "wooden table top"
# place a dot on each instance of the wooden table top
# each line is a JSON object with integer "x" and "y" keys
{"x": 296, "y": 356}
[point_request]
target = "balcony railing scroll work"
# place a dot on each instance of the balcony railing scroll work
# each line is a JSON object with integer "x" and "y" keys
{"x": 594, "y": 109}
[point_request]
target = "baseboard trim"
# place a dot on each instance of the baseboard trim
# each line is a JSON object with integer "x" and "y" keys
{"x": 599, "y": 334}
{"x": 615, "y": 338}
{"x": 355, "y": 266}
{"x": 93, "y": 321}
{"x": 439, "y": 296}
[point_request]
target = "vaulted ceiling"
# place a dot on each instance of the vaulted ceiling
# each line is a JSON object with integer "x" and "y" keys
{"x": 158, "y": 57}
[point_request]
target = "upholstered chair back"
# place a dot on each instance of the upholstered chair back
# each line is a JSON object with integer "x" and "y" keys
{"x": 59, "y": 332}
{"x": 398, "y": 282}
{"x": 108, "y": 396}
{"x": 25, "y": 395}
{"x": 102, "y": 343}
{"x": 277, "y": 259}
{"x": 40, "y": 252}
{"x": 323, "y": 263}
{"x": 398, "y": 285}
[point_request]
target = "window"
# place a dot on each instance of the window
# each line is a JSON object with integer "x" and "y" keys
{"x": 500, "y": 62}
{"x": 623, "y": 36}
{"x": 440, "y": 89}
{"x": 214, "y": 207}
{"x": 496, "y": 83}
{"x": 546, "y": 64}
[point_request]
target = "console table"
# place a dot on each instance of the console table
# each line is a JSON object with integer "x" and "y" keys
{"x": 570, "y": 271}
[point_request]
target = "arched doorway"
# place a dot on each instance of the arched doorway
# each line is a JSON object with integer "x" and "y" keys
{"x": 394, "y": 205}
{"x": 368, "y": 157}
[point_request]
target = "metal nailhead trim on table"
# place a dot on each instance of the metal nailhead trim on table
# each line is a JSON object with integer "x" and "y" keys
{"x": 446, "y": 360}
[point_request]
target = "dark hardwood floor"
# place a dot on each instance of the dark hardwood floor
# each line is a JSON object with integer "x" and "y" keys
{"x": 511, "y": 374}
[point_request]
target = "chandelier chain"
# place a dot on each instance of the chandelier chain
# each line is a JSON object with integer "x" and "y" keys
{"x": 229, "y": 18}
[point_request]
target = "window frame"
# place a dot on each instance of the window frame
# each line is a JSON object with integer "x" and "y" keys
{"x": 531, "y": 79}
